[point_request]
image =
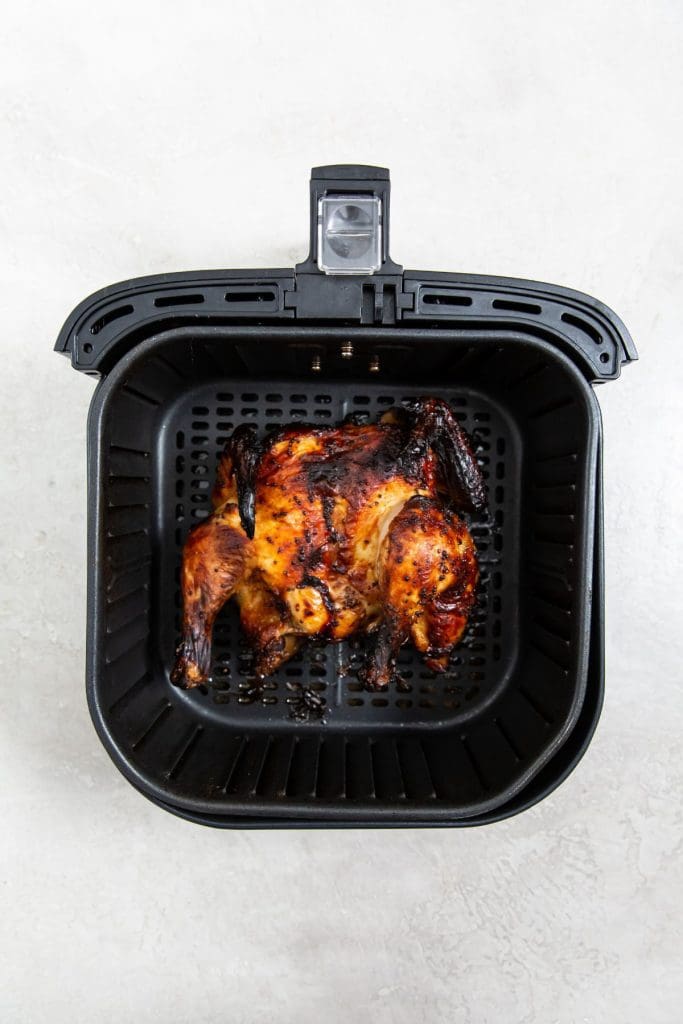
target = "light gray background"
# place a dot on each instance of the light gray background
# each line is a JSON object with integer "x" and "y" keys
{"x": 533, "y": 139}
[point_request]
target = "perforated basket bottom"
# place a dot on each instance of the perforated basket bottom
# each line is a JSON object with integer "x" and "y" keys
{"x": 321, "y": 682}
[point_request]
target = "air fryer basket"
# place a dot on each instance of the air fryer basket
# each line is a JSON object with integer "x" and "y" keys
{"x": 184, "y": 359}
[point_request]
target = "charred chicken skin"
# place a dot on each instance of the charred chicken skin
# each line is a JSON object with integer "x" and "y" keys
{"x": 336, "y": 532}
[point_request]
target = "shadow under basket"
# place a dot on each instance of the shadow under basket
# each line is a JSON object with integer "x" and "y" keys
{"x": 182, "y": 361}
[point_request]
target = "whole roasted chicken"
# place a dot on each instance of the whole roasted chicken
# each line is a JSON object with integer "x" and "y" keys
{"x": 335, "y": 532}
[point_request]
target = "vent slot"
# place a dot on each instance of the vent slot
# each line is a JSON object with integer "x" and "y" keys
{"x": 178, "y": 300}
{"x": 516, "y": 307}
{"x": 251, "y": 296}
{"x": 445, "y": 299}
{"x": 108, "y": 318}
{"x": 583, "y": 325}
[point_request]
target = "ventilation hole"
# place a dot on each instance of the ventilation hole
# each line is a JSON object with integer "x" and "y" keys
{"x": 179, "y": 488}
{"x": 178, "y": 300}
{"x": 322, "y": 414}
{"x": 273, "y": 412}
{"x": 200, "y": 440}
{"x": 200, "y": 425}
{"x": 355, "y": 702}
{"x": 252, "y": 296}
{"x": 180, "y": 439}
{"x": 516, "y": 307}
{"x": 604, "y": 357}
{"x": 298, "y": 399}
{"x": 446, "y": 299}
{"x": 379, "y": 702}
{"x": 248, "y": 413}
{"x": 323, "y": 399}
{"x": 385, "y": 400}
{"x": 404, "y": 704}
{"x": 108, "y": 318}
{"x": 224, "y": 396}
{"x": 200, "y": 410}
{"x": 87, "y": 348}
{"x": 273, "y": 398}
{"x": 298, "y": 414}
{"x": 249, "y": 396}
{"x": 583, "y": 325}
{"x": 361, "y": 400}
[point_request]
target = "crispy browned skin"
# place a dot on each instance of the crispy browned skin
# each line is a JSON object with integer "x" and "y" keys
{"x": 332, "y": 532}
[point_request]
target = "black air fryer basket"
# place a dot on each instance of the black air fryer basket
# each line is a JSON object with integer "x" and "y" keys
{"x": 181, "y": 360}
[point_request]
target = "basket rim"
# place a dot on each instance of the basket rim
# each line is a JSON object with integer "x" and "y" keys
{"x": 406, "y": 811}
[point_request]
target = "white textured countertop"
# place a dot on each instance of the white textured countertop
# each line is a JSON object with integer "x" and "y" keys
{"x": 155, "y": 137}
